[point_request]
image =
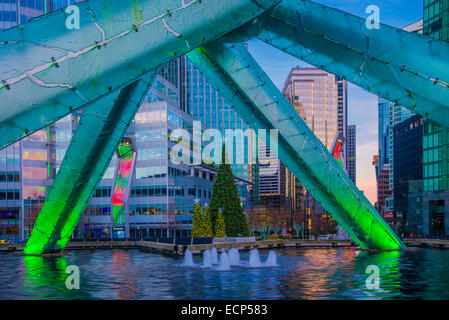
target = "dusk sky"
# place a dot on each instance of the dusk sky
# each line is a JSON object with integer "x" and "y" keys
{"x": 362, "y": 107}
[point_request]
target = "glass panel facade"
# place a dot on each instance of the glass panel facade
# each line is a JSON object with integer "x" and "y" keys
{"x": 159, "y": 189}
{"x": 10, "y": 192}
{"x": 209, "y": 107}
{"x": 436, "y": 137}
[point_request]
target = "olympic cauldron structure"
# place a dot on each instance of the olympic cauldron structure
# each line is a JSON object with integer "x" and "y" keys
{"x": 107, "y": 67}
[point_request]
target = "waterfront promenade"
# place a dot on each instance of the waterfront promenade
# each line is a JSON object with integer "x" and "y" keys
{"x": 178, "y": 250}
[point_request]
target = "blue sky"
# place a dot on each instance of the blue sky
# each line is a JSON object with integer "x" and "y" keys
{"x": 362, "y": 106}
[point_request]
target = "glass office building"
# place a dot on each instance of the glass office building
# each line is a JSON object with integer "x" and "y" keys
{"x": 342, "y": 113}
{"x": 162, "y": 193}
{"x": 8, "y": 14}
{"x": 428, "y": 204}
{"x": 384, "y": 131}
{"x": 390, "y": 115}
{"x": 320, "y": 98}
{"x": 351, "y": 153}
{"x": 26, "y": 164}
{"x": 436, "y": 19}
{"x": 436, "y": 137}
{"x": 10, "y": 192}
{"x": 315, "y": 94}
{"x": 408, "y": 164}
{"x": 396, "y": 116}
{"x": 29, "y": 166}
{"x": 207, "y": 106}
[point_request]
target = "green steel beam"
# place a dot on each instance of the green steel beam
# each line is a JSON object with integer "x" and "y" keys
{"x": 409, "y": 69}
{"x": 249, "y": 90}
{"x": 91, "y": 149}
{"x": 47, "y": 71}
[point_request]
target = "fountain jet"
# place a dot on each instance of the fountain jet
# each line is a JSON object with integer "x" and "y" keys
{"x": 224, "y": 261}
{"x": 272, "y": 259}
{"x": 214, "y": 256}
{"x": 207, "y": 260}
{"x": 188, "y": 259}
{"x": 234, "y": 257}
{"x": 254, "y": 258}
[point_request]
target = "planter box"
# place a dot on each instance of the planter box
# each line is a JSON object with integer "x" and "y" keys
{"x": 234, "y": 239}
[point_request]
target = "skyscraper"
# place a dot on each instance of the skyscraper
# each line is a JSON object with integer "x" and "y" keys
{"x": 384, "y": 131}
{"x": 26, "y": 165}
{"x": 382, "y": 163}
{"x": 428, "y": 205}
{"x": 408, "y": 164}
{"x": 162, "y": 193}
{"x": 342, "y": 114}
{"x": 314, "y": 95}
{"x": 389, "y": 115}
{"x": 351, "y": 154}
{"x": 436, "y": 137}
{"x": 320, "y": 99}
{"x": 397, "y": 114}
{"x": 207, "y": 106}
{"x": 8, "y": 14}
{"x": 436, "y": 19}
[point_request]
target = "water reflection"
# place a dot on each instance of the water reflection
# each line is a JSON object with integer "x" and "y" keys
{"x": 128, "y": 288}
{"x": 388, "y": 263}
{"x": 302, "y": 274}
{"x": 45, "y": 278}
{"x": 314, "y": 273}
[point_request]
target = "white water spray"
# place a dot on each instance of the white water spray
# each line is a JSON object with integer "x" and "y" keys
{"x": 254, "y": 258}
{"x": 207, "y": 260}
{"x": 214, "y": 256}
{"x": 272, "y": 259}
{"x": 234, "y": 257}
{"x": 224, "y": 261}
{"x": 188, "y": 259}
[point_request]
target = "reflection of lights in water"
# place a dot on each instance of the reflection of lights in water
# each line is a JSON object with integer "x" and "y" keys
{"x": 44, "y": 273}
{"x": 325, "y": 273}
{"x": 127, "y": 288}
{"x": 390, "y": 271}
{"x": 302, "y": 274}
{"x": 316, "y": 273}
{"x": 350, "y": 253}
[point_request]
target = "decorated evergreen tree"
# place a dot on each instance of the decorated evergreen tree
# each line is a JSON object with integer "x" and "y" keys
{"x": 220, "y": 229}
{"x": 207, "y": 223}
{"x": 197, "y": 221}
{"x": 225, "y": 195}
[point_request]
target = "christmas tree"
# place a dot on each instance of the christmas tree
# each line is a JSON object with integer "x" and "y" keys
{"x": 197, "y": 221}
{"x": 207, "y": 223}
{"x": 225, "y": 195}
{"x": 220, "y": 229}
